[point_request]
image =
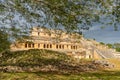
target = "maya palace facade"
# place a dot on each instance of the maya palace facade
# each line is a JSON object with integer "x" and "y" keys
{"x": 56, "y": 40}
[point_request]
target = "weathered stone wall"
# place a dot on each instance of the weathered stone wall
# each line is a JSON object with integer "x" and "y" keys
{"x": 42, "y": 38}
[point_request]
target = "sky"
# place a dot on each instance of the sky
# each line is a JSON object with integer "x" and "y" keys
{"x": 106, "y": 35}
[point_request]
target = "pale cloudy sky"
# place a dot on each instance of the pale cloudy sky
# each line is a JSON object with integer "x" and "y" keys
{"x": 106, "y": 35}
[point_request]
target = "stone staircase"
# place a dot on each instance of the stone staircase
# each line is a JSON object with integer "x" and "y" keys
{"x": 104, "y": 53}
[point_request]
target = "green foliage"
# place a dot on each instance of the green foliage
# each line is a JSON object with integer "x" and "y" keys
{"x": 117, "y": 49}
{"x": 110, "y": 45}
{"x": 117, "y": 45}
{"x": 102, "y": 43}
{"x": 4, "y": 42}
{"x": 69, "y": 15}
{"x": 57, "y": 13}
{"x": 1, "y": 7}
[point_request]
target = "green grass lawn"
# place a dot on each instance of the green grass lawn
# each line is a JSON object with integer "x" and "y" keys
{"x": 103, "y": 75}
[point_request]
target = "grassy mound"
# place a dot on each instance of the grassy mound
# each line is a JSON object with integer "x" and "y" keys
{"x": 33, "y": 58}
{"x": 44, "y": 61}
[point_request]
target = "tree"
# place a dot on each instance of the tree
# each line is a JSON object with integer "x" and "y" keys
{"x": 69, "y": 15}
{"x": 102, "y": 43}
{"x": 117, "y": 49}
{"x": 66, "y": 13}
{"x": 109, "y": 45}
{"x": 4, "y": 42}
{"x": 116, "y": 14}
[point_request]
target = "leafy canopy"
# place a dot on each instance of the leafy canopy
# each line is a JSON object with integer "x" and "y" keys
{"x": 68, "y": 14}
{"x": 4, "y": 42}
{"x": 17, "y": 16}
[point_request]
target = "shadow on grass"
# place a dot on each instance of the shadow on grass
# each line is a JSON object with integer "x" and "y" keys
{"x": 84, "y": 74}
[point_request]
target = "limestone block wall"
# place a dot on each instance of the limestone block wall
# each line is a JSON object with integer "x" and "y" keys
{"x": 70, "y": 43}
